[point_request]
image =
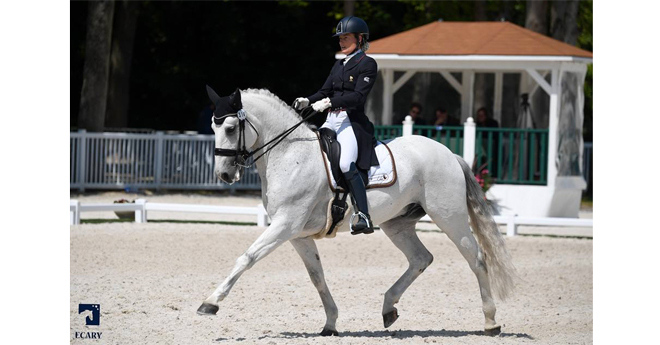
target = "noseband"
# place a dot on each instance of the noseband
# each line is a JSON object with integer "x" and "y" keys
{"x": 241, "y": 153}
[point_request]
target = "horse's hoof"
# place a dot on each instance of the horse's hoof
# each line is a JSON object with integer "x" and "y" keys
{"x": 207, "y": 309}
{"x": 494, "y": 331}
{"x": 329, "y": 333}
{"x": 389, "y": 318}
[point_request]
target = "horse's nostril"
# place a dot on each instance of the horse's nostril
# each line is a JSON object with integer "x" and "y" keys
{"x": 224, "y": 177}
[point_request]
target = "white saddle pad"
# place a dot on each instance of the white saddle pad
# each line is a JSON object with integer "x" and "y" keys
{"x": 380, "y": 176}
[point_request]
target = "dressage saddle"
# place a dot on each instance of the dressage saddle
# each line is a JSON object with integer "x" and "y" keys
{"x": 332, "y": 149}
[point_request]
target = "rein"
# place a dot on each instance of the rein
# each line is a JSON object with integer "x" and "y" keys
{"x": 241, "y": 152}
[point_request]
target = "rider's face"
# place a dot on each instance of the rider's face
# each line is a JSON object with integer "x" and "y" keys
{"x": 347, "y": 43}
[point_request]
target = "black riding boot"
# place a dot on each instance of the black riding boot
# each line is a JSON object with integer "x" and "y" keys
{"x": 359, "y": 196}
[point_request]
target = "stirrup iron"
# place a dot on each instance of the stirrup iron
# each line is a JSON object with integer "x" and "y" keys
{"x": 368, "y": 230}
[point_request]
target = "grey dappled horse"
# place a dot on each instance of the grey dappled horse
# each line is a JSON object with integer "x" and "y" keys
{"x": 431, "y": 180}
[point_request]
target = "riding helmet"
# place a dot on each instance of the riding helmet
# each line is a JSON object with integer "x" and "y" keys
{"x": 352, "y": 24}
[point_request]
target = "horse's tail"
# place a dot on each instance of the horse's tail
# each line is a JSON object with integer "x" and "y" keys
{"x": 501, "y": 271}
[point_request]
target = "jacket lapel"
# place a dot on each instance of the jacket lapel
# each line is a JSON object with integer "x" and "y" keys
{"x": 354, "y": 61}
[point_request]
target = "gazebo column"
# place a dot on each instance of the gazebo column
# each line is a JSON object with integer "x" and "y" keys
{"x": 555, "y": 99}
{"x": 390, "y": 88}
{"x": 388, "y": 80}
{"x": 497, "y": 106}
{"x": 525, "y": 86}
{"x": 467, "y": 96}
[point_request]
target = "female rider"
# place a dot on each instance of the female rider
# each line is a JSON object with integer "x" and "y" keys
{"x": 344, "y": 93}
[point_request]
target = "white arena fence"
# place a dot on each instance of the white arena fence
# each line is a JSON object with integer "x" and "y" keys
{"x": 131, "y": 161}
{"x": 141, "y": 208}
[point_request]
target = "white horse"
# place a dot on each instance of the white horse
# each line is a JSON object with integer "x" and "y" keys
{"x": 431, "y": 180}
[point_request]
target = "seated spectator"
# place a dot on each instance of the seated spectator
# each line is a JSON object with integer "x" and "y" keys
{"x": 442, "y": 118}
{"x": 483, "y": 120}
{"x": 416, "y": 114}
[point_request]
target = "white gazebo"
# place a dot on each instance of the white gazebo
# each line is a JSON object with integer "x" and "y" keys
{"x": 545, "y": 65}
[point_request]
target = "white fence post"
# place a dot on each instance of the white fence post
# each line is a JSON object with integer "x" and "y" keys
{"x": 511, "y": 226}
{"x": 408, "y": 126}
{"x": 82, "y": 159}
{"x": 141, "y": 213}
{"x": 469, "y": 140}
{"x": 74, "y": 210}
{"x": 262, "y": 216}
{"x": 159, "y": 159}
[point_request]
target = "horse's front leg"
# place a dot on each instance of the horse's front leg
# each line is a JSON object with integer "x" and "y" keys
{"x": 308, "y": 252}
{"x": 276, "y": 234}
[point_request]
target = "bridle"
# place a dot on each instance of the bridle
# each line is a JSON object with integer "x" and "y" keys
{"x": 241, "y": 153}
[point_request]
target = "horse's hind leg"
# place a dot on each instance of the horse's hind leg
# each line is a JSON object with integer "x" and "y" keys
{"x": 308, "y": 252}
{"x": 458, "y": 230}
{"x": 401, "y": 232}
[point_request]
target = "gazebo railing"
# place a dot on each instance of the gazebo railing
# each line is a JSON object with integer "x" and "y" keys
{"x": 450, "y": 136}
{"x": 513, "y": 155}
{"x": 383, "y": 133}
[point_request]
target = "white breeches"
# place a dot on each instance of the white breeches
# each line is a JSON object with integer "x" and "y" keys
{"x": 339, "y": 122}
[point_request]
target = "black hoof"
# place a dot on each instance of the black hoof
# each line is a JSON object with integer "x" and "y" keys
{"x": 494, "y": 331}
{"x": 329, "y": 333}
{"x": 389, "y": 318}
{"x": 207, "y": 309}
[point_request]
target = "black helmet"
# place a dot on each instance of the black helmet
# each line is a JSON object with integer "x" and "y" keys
{"x": 352, "y": 24}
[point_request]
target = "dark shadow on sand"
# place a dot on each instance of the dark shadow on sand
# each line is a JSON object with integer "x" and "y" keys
{"x": 399, "y": 334}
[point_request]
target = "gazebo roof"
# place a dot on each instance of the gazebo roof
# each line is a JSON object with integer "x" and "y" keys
{"x": 474, "y": 38}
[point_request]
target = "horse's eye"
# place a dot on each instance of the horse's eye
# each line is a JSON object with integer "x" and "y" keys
{"x": 230, "y": 130}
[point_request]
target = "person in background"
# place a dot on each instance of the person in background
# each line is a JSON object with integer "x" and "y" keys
{"x": 442, "y": 118}
{"x": 483, "y": 120}
{"x": 416, "y": 114}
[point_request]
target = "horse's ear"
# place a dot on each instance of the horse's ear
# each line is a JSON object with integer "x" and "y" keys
{"x": 212, "y": 95}
{"x": 235, "y": 100}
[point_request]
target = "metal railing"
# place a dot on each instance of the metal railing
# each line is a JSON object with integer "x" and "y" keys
{"x": 383, "y": 133}
{"x": 450, "y": 136}
{"x": 176, "y": 161}
{"x": 147, "y": 161}
{"x": 513, "y": 155}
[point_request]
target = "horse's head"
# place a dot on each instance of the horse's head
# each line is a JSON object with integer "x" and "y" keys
{"x": 234, "y": 135}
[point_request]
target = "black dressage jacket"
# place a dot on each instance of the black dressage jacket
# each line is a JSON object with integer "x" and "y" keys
{"x": 347, "y": 87}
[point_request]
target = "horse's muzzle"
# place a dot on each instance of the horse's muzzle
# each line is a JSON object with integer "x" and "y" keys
{"x": 230, "y": 175}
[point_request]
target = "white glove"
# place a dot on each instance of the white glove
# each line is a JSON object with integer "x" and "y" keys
{"x": 300, "y": 103}
{"x": 322, "y": 105}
